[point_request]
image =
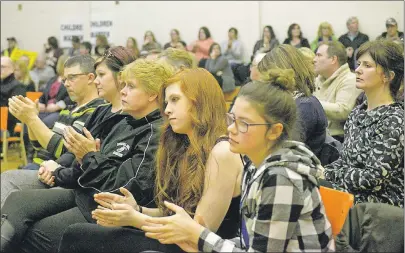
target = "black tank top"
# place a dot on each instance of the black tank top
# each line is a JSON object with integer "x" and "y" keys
{"x": 230, "y": 225}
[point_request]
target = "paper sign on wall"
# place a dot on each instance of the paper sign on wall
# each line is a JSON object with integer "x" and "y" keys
{"x": 70, "y": 27}
{"x": 101, "y": 23}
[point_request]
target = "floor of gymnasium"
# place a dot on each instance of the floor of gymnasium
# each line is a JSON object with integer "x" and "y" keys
{"x": 14, "y": 160}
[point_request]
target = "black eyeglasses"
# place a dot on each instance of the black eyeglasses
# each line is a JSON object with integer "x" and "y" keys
{"x": 72, "y": 77}
{"x": 241, "y": 125}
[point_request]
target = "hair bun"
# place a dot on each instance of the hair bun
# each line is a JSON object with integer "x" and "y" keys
{"x": 282, "y": 78}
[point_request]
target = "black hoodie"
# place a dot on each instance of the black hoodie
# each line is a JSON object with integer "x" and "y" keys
{"x": 100, "y": 123}
{"x": 126, "y": 159}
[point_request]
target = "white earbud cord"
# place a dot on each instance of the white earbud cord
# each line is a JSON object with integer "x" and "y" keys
{"x": 137, "y": 170}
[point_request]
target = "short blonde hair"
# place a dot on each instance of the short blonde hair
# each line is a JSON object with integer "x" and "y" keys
{"x": 178, "y": 58}
{"x": 326, "y": 25}
{"x": 150, "y": 74}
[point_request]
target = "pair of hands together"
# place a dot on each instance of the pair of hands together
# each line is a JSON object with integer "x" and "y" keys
{"x": 76, "y": 143}
{"x": 115, "y": 210}
{"x": 45, "y": 172}
{"x": 79, "y": 144}
{"x": 23, "y": 108}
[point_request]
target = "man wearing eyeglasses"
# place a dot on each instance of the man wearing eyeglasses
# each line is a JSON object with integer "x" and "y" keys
{"x": 78, "y": 78}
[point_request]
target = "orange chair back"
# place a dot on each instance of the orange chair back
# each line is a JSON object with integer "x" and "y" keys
{"x": 34, "y": 95}
{"x": 18, "y": 128}
{"x": 337, "y": 205}
{"x": 4, "y": 118}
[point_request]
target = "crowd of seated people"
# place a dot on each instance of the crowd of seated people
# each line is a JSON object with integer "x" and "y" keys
{"x": 233, "y": 48}
{"x": 131, "y": 146}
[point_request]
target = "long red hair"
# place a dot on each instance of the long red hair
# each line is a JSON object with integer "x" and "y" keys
{"x": 181, "y": 160}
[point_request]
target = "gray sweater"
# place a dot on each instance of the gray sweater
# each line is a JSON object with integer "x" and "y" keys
{"x": 222, "y": 64}
{"x": 235, "y": 53}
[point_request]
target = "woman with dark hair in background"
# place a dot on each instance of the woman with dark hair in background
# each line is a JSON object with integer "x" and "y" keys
{"x": 295, "y": 38}
{"x": 85, "y": 48}
{"x": 54, "y": 97}
{"x": 53, "y": 52}
{"x": 133, "y": 45}
{"x": 371, "y": 163}
{"x": 175, "y": 40}
{"x": 201, "y": 46}
{"x": 101, "y": 45}
{"x": 233, "y": 51}
{"x": 150, "y": 45}
{"x": 219, "y": 67}
{"x": 267, "y": 43}
{"x": 232, "y": 48}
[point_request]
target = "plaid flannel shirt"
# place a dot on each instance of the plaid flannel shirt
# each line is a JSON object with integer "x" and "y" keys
{"x": 281, "y": 206}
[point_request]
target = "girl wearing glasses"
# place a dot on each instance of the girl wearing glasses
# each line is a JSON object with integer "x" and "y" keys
{"x": 281, "y": 207}
{"x": 195, "y": 169}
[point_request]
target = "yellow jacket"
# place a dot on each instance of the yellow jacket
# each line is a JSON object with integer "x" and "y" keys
{"x": 5, "y": 52}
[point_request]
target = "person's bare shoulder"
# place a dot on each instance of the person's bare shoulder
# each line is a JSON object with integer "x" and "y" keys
{"x": 226, "y": 159}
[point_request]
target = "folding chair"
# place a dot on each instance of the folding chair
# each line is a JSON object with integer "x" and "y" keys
{"x": 337, "y": 205}
{"x": 6, "y": 140}
{"x": 34, "y": 95}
